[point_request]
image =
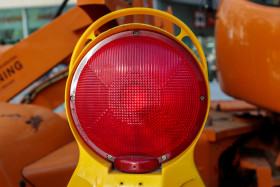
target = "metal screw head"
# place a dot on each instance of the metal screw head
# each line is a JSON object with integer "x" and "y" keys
{"x": 202, "y": 98}
{"x": 73, "y": 98}
{"x": 28, "y": 96}
{"x": 164, "y": 157}
{"x": 22, "y": 183}
{"x": 135, "y": 33}
{"x": 109, "y": 157}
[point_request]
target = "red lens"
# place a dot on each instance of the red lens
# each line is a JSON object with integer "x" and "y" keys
{"x": 138, "y": 96}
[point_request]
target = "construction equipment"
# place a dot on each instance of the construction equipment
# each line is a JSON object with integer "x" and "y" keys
{"x": 30, "y": 133}
{"x": 239, "y": 145}
{"x": 26, "y": 149}
{"x": 241, "y": 141}
{"x": 28, "y": 156}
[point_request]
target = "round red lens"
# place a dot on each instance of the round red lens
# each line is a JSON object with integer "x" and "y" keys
{"x": 139, "y": 96}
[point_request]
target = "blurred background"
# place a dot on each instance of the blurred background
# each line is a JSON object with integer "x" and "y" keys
{"x": 18, "y": 19}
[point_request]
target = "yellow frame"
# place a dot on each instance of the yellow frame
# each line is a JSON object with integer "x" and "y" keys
{"x": 92, "y": 170}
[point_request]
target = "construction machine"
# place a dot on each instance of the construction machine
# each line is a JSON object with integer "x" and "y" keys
{"x": 239, "y": 145}
{"x": 37, "y": 146}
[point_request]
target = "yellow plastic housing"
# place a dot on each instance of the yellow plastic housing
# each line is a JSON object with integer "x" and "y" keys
{"x": 92, "y": 170}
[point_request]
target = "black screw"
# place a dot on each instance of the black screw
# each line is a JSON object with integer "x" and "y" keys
{"x": 202, "y": 98}
{"x": 22, "y": 183}
{"x": 135, "y": 33}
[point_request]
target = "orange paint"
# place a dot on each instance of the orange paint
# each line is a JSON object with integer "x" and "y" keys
{"x": 248, "y": 52}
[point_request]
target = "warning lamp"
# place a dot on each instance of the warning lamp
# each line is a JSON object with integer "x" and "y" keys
{"x": 136, "y": 100}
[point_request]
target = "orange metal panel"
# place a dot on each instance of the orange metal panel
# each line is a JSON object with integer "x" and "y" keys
{"x": 228, "y": 106}
{"x": 138, "y": 18}
{"x": 143, "y": 18}
{"x": 49, "y": 93}
{"x": 222, "y": 125}
{"x": 262, "y": 167}
{"x": 207, "y": 155}
{"x": 4, "y": 48}
{"x": 54, "y": 169}
{"x": 32, "y": 57}
{"x": 248, "y": 52}
{"x": 63, "y": 115}
{"x": 150, "y": 4}
{"x": 29, "y": 59}
{"x": 27, "y": 133}
{"x": 275, "y": 181}
{"x": 117, "y": 5}
{"x": 220, "y": 133}
{"x": 89, "y": 2}
{"x": 164, "y": 24}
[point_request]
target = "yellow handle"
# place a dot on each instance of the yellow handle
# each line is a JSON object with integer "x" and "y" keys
{"x": 185, "y": 30}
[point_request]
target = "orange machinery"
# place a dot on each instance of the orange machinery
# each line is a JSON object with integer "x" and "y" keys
{"x": 239, "y": 145}
{"x": 37, "y": 147}
{"x": 241, "y": 141}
